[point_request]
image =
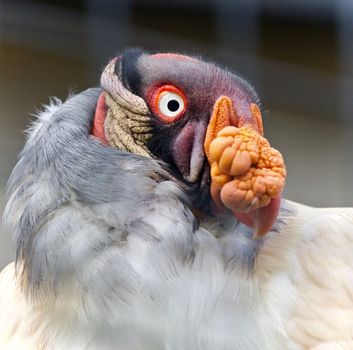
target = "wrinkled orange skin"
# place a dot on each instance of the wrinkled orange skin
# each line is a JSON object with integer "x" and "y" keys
{"x": 246, "y": 172}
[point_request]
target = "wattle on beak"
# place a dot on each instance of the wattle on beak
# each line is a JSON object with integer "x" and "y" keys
{"x": 247, "y": 174}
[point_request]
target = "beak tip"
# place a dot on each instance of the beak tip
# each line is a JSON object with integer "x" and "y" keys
{"x": 258, "y": 233}
{"x": 256, "y": 236}
{"x": 261, "y": 219}
{"x": 264, "y": 218}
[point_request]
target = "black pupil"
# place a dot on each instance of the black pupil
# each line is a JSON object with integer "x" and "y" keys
{"x": 173, "y": 105}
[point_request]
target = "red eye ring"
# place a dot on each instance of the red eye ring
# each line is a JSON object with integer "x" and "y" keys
{"x": 168, "y": 103}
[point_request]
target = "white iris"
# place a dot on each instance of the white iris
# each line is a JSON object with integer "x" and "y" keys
{"x": 171, "y": 104}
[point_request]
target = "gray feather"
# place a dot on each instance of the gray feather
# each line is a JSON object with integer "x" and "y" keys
{"x": 109, "y": 244}
{"x": 64, "y": 174}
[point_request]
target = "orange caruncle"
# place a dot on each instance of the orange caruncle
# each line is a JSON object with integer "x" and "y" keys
{"x": 247, "y": 171}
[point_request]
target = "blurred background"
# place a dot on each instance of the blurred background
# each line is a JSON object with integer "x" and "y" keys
{"x": 297, "y": 53}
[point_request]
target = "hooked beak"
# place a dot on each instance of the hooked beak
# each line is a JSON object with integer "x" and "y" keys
{"x": 261, "y": 219}
{"x": 238, "y": 181}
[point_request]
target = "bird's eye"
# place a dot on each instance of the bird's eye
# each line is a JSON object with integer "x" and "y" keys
{"x": 168, "y": 103}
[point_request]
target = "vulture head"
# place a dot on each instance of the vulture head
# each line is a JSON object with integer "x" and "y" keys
{"x": 203, "y": 123}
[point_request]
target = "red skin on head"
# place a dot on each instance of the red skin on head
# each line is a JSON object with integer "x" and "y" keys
{"x": 99, "y": 118}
